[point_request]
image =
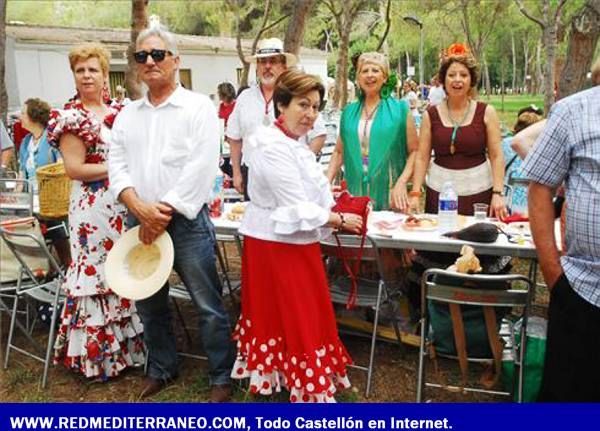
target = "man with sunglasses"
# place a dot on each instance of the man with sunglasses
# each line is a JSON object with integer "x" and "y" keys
{"x": 162, "y": 164}
{"x": 254, "y": 107}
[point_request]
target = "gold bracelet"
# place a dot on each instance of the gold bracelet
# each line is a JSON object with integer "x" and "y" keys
{"x": 415, "y": 194}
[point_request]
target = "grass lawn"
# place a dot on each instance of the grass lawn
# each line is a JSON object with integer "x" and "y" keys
{"x": 512, "y": 105}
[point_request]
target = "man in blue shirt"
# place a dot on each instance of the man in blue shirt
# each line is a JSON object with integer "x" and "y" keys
{"x": 569, "y": 150}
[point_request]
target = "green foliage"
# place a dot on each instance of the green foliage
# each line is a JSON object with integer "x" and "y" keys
{"x": 441, "y": 26}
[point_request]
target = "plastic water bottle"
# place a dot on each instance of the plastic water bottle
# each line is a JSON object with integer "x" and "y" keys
{"x": 217, "y": 197}
{"x": 448, "y": 208}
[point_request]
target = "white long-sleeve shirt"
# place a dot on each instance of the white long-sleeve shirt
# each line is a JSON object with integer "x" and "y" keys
{"x": 290, "y": 196}
{"x": 167, "y": 153}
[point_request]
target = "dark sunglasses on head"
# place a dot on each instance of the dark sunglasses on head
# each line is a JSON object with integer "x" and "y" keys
{"x": 157, "y": 55}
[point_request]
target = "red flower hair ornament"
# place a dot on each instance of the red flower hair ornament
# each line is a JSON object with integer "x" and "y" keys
{"x": 455, "y": 49}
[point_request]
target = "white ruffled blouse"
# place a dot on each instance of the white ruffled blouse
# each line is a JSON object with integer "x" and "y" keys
{"x": 290, "y": 197}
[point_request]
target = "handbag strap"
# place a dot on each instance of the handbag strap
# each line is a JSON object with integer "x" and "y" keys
{"x": 353, "y": 270}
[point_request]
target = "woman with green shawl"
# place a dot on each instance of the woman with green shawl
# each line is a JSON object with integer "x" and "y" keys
{"x": 378, "y": 139}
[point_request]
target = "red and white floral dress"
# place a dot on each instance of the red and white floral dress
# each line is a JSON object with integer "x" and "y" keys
{"x": 100, "y": 334}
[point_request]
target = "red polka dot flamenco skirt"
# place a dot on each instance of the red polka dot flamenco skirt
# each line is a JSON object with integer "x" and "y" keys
{"x": 287, "y": 334}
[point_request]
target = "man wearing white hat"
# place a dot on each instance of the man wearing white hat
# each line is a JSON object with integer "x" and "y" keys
{"x": 255, "y": 106}
{"x": 162, "y": 164}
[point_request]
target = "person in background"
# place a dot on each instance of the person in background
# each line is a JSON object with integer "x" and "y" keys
{"x": 567, "y": 151}
{"x": 436, "y": 92}
{"x": 255, "y": 106}
{"x": 409, "y": 93}
{"x": 7, "y": 147}
{"x": 164, "y": 173}
{"x": 100, "y": 333}
{"x": 596, "y": 72}
{"x": 226, "y": 93}
{"x": 526, "y": 117}
{"x": 122, "y": 98}
{"x": 378, "y": 140}
{"x": 34, "y": 153}
{"x": 283, "y": 277}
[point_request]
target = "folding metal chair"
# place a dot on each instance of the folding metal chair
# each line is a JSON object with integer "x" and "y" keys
{"x": 491, "y": 292}
{"x": 179, "y": 292}
{"x": 29, "y": 285}
{"x": 371, "y": 293}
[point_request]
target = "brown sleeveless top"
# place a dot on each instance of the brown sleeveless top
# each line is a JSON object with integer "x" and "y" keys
{"x": 470, "y": 143}
{"x": 471, "y": 148}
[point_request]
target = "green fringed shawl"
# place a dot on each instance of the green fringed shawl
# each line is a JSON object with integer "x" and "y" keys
{"x": 387, "y": 150}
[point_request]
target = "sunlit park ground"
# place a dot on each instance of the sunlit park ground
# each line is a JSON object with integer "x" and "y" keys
{"x": 508, "y": 109}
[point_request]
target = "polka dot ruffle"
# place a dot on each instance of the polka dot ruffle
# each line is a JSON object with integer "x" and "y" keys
{"x": 309, "y": 376}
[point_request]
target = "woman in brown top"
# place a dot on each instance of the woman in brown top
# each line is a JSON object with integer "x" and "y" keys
{"x": 466, "y": 141}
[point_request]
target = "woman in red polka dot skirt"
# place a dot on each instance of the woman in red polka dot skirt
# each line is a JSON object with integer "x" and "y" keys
{"x": 287, "y": 335}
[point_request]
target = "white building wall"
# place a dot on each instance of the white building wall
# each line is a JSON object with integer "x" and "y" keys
{"x": 36, "y": 70}
{"x": 208, "y": 71}
{"x": 40, "y": 72}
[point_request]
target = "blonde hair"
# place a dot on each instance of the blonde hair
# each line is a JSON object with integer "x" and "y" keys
{"x": 86, "y": 51}
{"x": 596, "y": 72}
{"x": 374, "y": 58}
{"x": 525, "y": 120}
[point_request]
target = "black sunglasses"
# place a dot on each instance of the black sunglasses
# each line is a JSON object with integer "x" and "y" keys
{"x": 157, "y": 55}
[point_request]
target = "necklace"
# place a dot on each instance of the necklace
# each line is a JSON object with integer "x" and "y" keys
{"x": 456, "y": 125}
{"x": 364, "y": 141}
{"x": 266, "y": 118}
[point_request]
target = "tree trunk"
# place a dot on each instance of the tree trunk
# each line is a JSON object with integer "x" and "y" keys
{"x": 550, "y": 42}
{"x": 514, "y": 62}
{"x": 488, "y": 83}
{"x": 343, "y": 15}
{"x": 3, "y": 93}
{"x": 340, "y": 97}
{"x": 539, "y": 76}
{"x": 385, "y": 9}
{"x": 294, "y": 36}
{"x": 585, "y": 31}
{"x": 549, "y": 23}
{"x": 139, "y": 21}
{"x": 526, "y": 82}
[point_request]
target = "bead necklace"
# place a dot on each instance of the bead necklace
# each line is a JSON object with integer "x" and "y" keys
{"x": 456, "y": 125}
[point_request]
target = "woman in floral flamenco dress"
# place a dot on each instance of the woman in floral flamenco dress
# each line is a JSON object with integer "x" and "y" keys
{"x": 100, "y": 333}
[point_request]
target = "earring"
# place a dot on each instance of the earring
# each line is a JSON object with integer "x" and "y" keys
{"x": 105, "y": 93}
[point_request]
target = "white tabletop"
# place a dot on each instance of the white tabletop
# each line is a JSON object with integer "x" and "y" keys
{"x": 223, "y": 225}
{"x": 420, "y": 240}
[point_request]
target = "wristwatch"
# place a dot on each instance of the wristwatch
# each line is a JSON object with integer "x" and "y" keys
{"x": 498, "y": 192}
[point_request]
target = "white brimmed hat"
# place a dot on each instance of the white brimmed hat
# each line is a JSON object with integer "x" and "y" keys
{"x": 271, "y": 48}
{"x": 137, "y": 271}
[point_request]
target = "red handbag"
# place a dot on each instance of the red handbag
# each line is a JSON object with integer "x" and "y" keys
{"x": 346, "y": 203}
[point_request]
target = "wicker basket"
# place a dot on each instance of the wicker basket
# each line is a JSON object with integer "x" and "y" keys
{"x": 55, "y": 190}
